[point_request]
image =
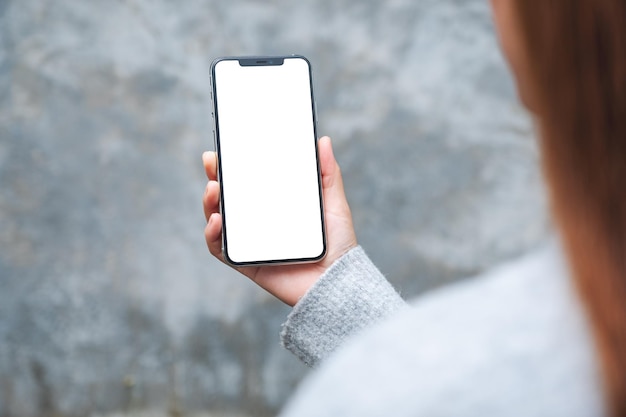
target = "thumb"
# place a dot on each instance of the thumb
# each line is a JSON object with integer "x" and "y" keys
{"x": 331, "y": 174}
{"x": 332, "y": 182}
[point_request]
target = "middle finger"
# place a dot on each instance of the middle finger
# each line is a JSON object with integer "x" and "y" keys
{"x": 210, "y": 200}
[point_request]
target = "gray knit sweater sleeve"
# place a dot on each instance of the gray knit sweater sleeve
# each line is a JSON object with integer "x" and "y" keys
{"x": 350, "y": 296}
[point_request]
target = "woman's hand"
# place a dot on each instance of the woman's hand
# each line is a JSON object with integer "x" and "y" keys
{"x": 289, "y": 282}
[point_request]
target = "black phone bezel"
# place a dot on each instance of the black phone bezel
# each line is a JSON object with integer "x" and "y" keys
{"x": 264, "y": 61}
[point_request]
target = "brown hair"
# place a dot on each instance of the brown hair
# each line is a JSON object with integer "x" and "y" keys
{"x": 577, "y": 54}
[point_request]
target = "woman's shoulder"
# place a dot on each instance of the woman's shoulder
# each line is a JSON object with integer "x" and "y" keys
{"x": 511, "y": 341}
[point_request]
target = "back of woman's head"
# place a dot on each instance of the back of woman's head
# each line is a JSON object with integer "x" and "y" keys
{"x": 576, "y": 52}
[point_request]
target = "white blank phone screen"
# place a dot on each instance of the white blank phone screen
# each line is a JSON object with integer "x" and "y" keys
{"x": 271, "y": 201}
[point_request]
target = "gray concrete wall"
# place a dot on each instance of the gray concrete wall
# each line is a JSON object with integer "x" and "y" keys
{"x": 109, "y": 301}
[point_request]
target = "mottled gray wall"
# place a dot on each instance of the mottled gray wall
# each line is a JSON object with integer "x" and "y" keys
{"x": 109, "y": 301}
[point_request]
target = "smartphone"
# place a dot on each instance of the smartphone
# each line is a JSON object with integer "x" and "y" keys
{"x": 268, "y": 166}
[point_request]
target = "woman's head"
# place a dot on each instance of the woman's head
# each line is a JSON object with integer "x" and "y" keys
{"x": 569, "y": 60}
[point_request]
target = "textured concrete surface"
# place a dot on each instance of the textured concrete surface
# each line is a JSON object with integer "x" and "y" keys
{"x": 110, "y": 303}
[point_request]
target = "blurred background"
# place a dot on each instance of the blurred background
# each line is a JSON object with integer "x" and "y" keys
{"x": 110, "y": 304}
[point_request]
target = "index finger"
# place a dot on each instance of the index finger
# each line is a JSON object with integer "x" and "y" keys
{"x": 209, "y": 159}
